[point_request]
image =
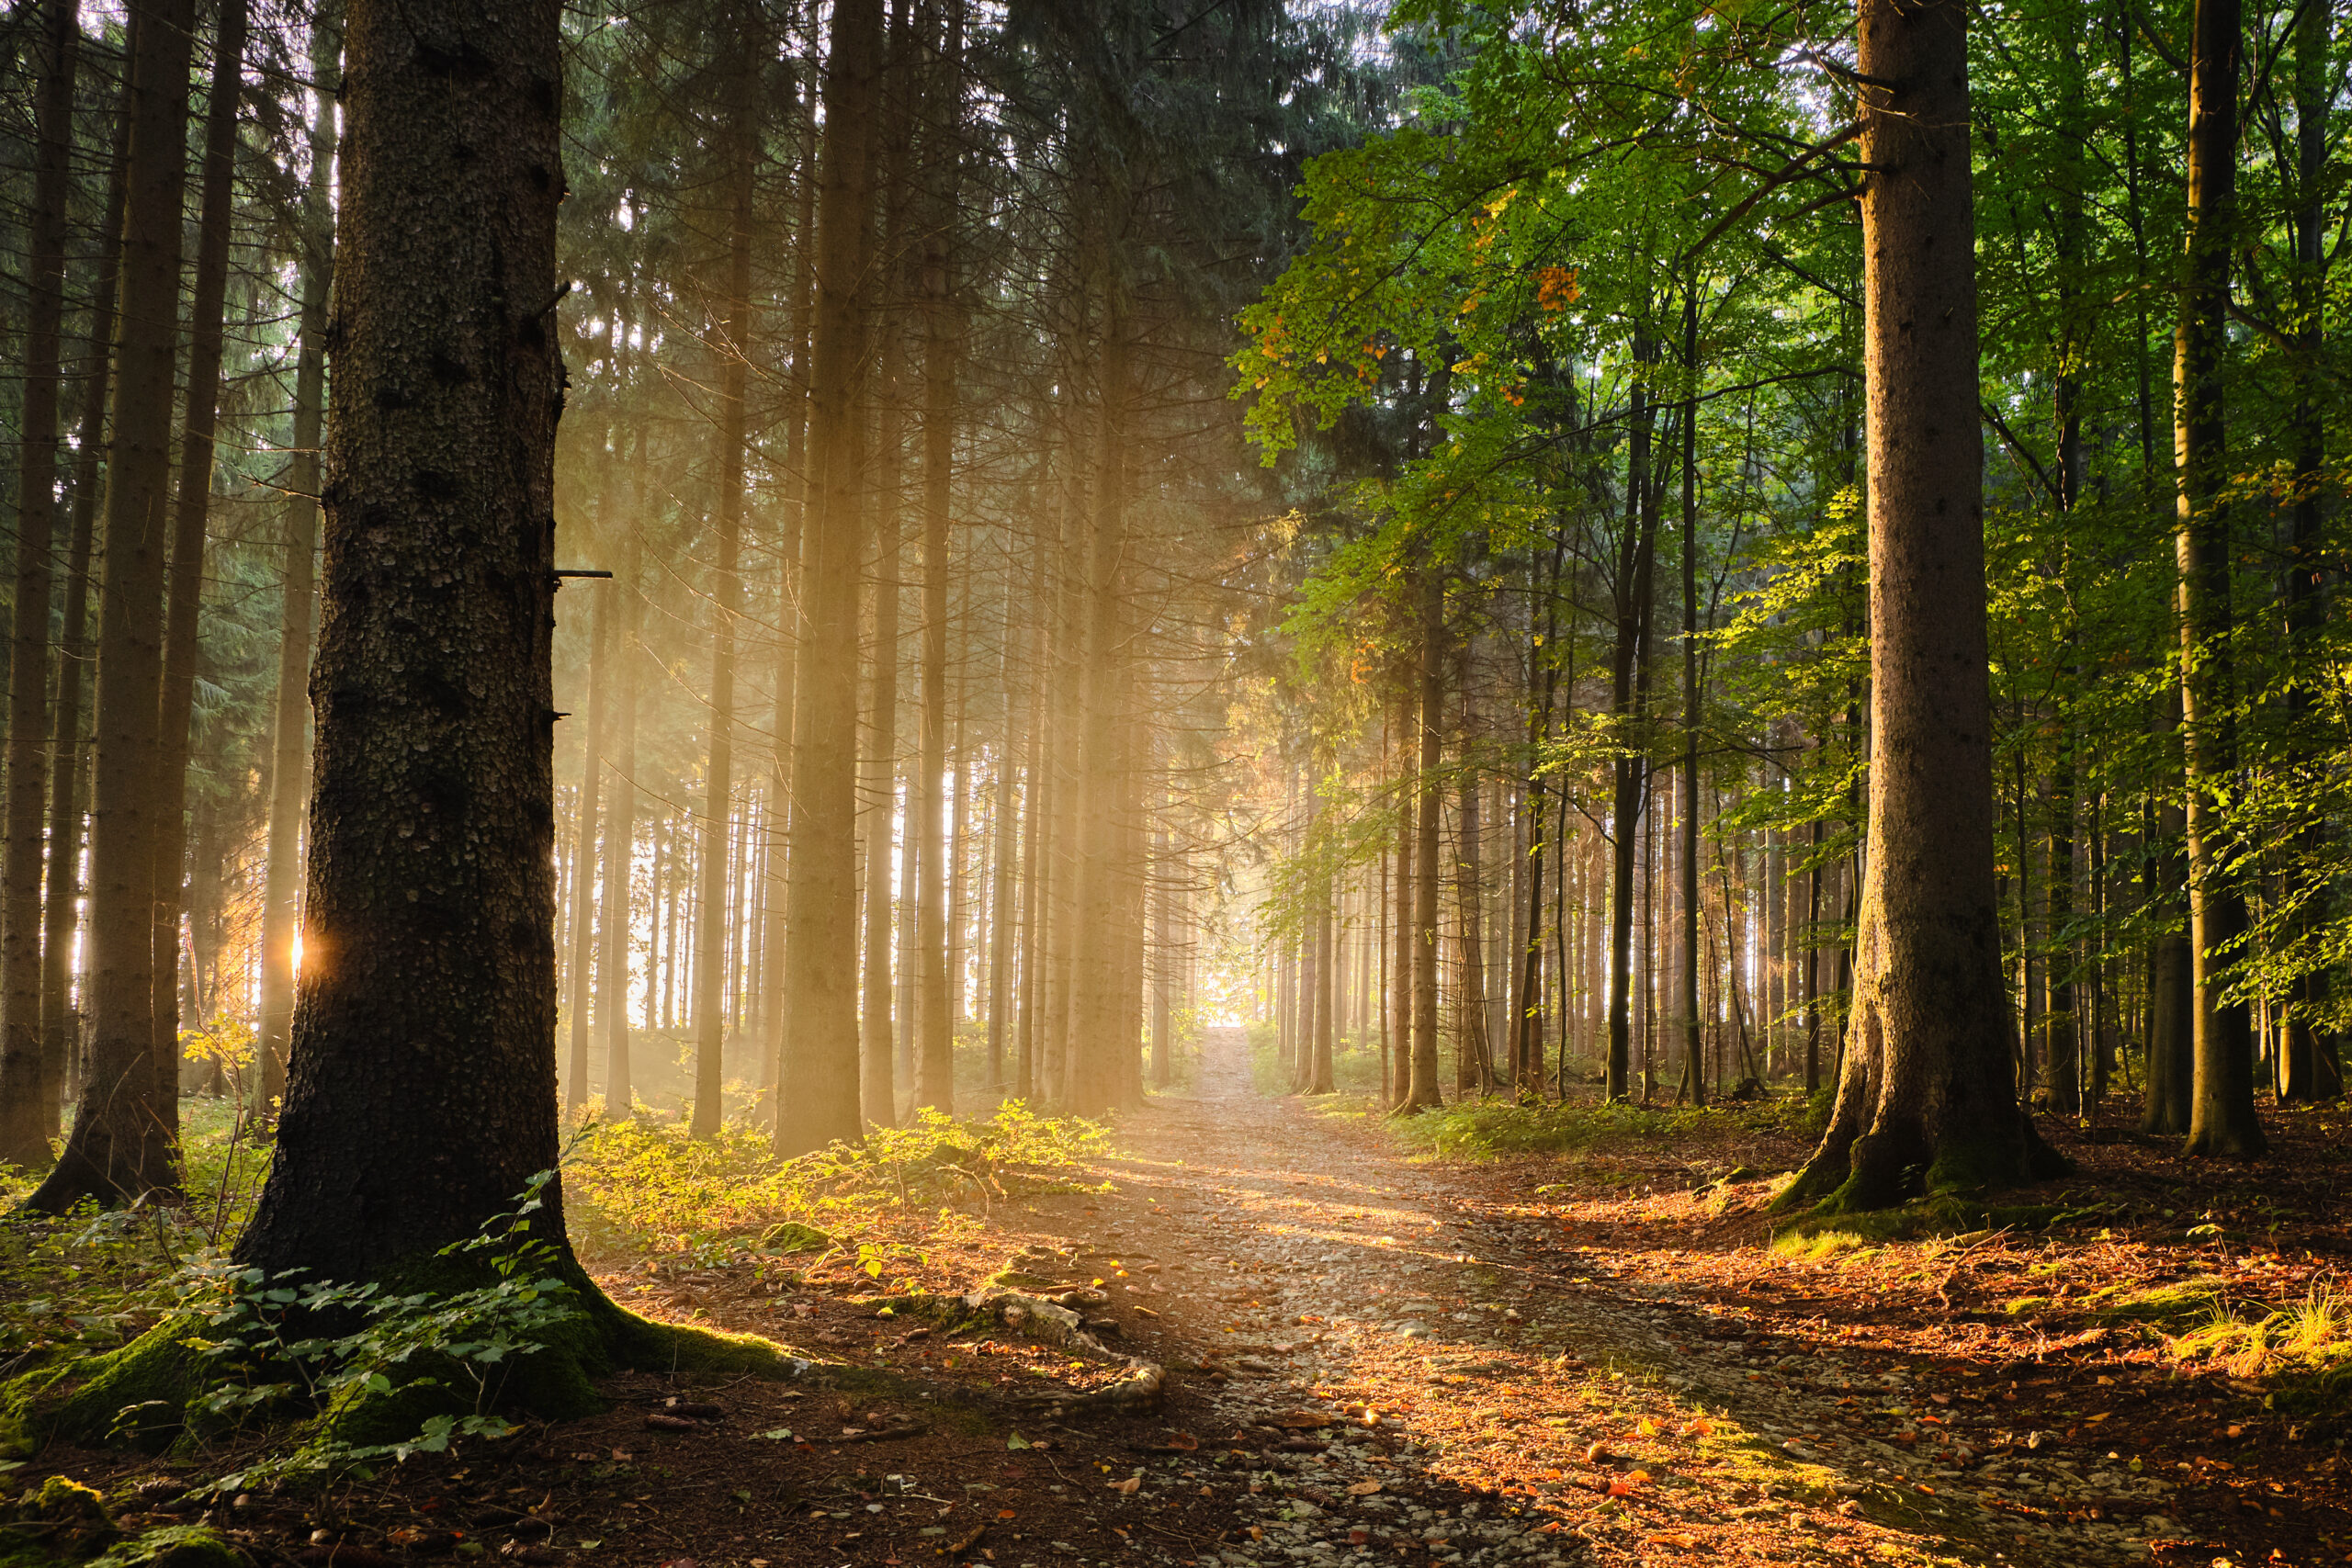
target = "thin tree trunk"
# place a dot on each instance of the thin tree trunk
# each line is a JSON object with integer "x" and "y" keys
{"x": 1421, "y": 1086}
{"x": 714, "y": 930}
{"x": 185, "y": 605}
{"x": 122, "y": 1144}
{"x": 24, "y": 1133}
{"x": 289, "y": 768}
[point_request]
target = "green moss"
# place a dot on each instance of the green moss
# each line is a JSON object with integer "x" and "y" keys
{"x": 141, "y": 1392}
{"x": 792, "y": 1237}
{"x": 173, "y": 1546}
{"x": 2174, "y": 1304}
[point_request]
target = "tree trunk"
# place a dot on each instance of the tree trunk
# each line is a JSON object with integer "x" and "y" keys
{"x": 24, "y": 1130}
{"x": 620, "y": 824}
{"x": 1095, "y": 1025}
{"x": 584, "y": 843}
{"x": 122, "y": 1144}
{"x": 1636, "y": 557}
{"x": 289, "y": 745}
{"x": 934, "y": 1078}
{"x": 1927, "y": 1095}
{"x": 715, "y": 931}
{"x": 61, "y": 894}
{"x": 2222, "y": 1115}
{"x": 1687, "y": 975}
{"x": 1420, "y": 1086}
{"x": 819, "y": 1099}
{"x": 185, "y": 607}
{"x": 421, "y": 1096}
{"x": 877, "y": 1083}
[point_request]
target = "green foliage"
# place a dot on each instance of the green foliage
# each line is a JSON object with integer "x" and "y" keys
{"x": 642, "y": 1186}
{"x": 1491, "y": 1129}
{"x": 265, "y": 1340}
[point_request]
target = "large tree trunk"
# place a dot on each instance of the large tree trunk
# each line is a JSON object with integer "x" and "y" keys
{"x": 1927, "y": 1095}
{"x": 818, "y": 1100}
{"x": 421, "y": 1096}
{"x": 122, "y": 1144}
{"x": 620, "y": 823}
{"x": 2222, "y": 1115}
{"x": 185, "y": 607}
{"x": 716, "y": 932}
{"x": 24, "y": 1130}
{"x": 289, "y": 772}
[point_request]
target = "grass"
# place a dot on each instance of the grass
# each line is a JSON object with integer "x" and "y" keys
{"x": 644, "y": 1187}
{"x": 1490, "y": 1128}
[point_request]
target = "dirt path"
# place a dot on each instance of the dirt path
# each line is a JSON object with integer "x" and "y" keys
{"x": 1556, "y": 1412}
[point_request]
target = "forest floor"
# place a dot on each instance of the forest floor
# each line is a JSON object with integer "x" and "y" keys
{"x": 1591, "y": 1355}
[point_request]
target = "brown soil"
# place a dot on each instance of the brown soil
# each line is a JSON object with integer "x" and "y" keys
{"x": 1375, "y": 1359}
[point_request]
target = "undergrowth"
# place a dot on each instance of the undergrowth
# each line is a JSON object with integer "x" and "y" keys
{"x": 1489, "y": 1129}
{"x": 640, "y": 1186}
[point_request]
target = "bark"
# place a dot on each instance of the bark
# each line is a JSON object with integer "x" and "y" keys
{"x": 818, "y": 1098}
{"x": 123, "y": 1146}
{"x": 877, "y": 1086}
{"x": 289, "y": 776}
{"x": 24, "y": 1131}
{"x": 579, "y": 970}
{"x": 1686, "y": 1001}
{"x": 1474, "y": 1068}
{"x": 421, "y": 1095}
{"x": 620, "y": 825}
{"x": 2222, "y": 1119}
{"x": 1636, "y": 556}
{"x": 1096, "y": 1027}
{"x": 934, "y": 1079}
{"x": 1006, "y": 849}
{"x": 792, "y": 628}
{"x": 2308, "y": 1069}
{"x": 1421, "y": 1086}
{"x": 185, "y": 605}
{"x": 63, "y": 890}
{"x": 1396, "y": 1075}
{"x": 1927, "y": 1095}
{"x": 715, "y": 930}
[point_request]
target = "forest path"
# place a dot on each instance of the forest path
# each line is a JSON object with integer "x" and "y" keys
{"x": 1309, "y": 1264}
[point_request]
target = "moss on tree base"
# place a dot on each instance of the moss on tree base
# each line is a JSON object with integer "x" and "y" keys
{"x": 142, "y": 1393}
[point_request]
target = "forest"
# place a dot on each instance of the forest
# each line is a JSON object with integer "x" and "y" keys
{"x": 1581, "y": 762}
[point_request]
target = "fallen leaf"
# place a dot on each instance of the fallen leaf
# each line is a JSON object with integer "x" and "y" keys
{"x": 1302, "y": 1420}
{"x": 1006, "y": 1514}
{"x": 1016, "y": 1441}
{"x": 1182, "y": 1442}
{"x": 1702, "y": 1428}
{"x": 1648, "y": 1428}
{"x": 1128, "y": 1485}
{"x": 1363, "y": 1489}
{"x": 1685, "y": 1541}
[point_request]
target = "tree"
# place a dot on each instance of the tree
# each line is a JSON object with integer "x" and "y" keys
{"x": 1926, "y": 1098}
{"x": 122, "y": 1146}
{"x": 24, "y": 1131}
{"x": 818, "y": 1098}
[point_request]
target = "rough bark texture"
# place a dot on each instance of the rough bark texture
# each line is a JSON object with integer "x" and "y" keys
{"x": 290, "y": 771}
{"x": 2222, "y": 1115}
{"x": 122, "y": 1144}
{"x": 1636, "y": 556}
{"x": 24, "y": 1130}
{"x": 421, "y": 1095}
{"x": 818, "y": 1098}
{"x": 1927, "y": 1099}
